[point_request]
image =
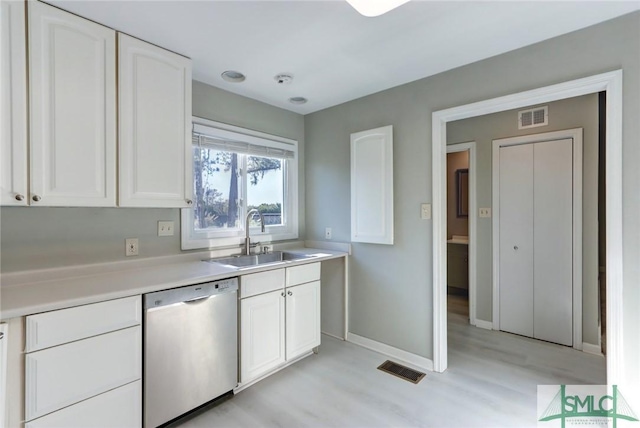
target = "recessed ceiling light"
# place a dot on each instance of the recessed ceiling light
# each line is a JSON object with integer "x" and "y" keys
{"x": 298, "y": 100}
{"x": 233, "y": 76}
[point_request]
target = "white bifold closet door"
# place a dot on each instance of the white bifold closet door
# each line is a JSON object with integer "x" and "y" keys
{"x": 536, "y": 240}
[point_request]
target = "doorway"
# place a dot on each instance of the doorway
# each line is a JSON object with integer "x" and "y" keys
{"x": 611, "y": 83}
{"x": 461, "y": 233}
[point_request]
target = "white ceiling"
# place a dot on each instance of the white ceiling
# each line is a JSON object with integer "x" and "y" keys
{"x": 335, "y": 54}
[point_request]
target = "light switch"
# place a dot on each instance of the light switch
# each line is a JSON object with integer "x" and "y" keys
{"x": 485, "y": 212}
{"x": 425, "y": 211}
{"x": 165, "y": 228}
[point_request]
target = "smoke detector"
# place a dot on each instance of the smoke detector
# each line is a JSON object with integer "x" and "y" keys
{"x": 283, "y": 79}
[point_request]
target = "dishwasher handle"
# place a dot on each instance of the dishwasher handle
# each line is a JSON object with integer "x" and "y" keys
{"x": 197, "y": 299}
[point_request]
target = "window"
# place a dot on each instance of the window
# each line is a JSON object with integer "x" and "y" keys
{"x": 236, "y": 170}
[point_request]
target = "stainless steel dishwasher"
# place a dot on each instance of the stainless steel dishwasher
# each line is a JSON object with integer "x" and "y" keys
{"x": 190, "y": 348}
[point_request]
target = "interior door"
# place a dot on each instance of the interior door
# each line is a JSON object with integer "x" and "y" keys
{"x": 553, "y": 241}
{"x": 516, "y": 239}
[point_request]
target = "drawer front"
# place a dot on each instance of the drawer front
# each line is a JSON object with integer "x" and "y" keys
{"x": 120, "y": 407}
{"x": 60, "y": 376}
{"x": 304, "y": 273}
{"x": 68, "y": 325}
{"x": 262, "y": 282}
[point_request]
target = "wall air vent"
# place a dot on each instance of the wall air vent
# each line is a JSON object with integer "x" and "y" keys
{"x": 534, "y": 117}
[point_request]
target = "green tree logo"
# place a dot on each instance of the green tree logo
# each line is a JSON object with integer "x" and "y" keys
{"x": 564, "y": 406}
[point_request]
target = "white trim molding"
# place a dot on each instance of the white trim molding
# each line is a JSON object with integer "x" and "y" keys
{"x": 590, "y": 348}
{"x": 576, "y": 136}
{"x": 473, "y": 221}
{"x": 414, "y": 360}
{"x": 611, "y": 83}
{"x": 487, "y": 325}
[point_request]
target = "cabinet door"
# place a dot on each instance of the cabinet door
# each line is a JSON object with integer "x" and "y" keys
{"x": 261, "y": 334}
{"x": 303, "y": 318}
{"x": 155, "y": 126}
{"x": 72, "y": 109}
{"x": 4, "y": 331}
{"x": 372, "y": 186}
{"x": 120, "y": 407}
{"x": 13, "y": 111}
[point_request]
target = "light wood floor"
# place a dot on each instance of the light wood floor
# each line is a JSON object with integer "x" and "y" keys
{"x": 491, "y": 382}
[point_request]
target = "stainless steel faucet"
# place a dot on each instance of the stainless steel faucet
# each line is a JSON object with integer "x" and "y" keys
{"x": 247, "y": 240}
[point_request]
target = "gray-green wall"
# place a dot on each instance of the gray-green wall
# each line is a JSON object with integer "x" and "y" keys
{"x": 580, "y": 112}
{"x": 391, "y": 286}
{"x": 38, "y": 237}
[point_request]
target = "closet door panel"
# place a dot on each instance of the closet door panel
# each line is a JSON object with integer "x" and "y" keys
{"x": 516, "y": 239}
{"x": 553, "y": 241}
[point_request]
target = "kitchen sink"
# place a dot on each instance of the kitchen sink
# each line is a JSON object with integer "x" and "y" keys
{"x": 244, "y": 261}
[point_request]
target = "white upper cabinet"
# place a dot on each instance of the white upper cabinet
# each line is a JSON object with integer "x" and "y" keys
{"x": 13, "y": 110}
{"x": 72, "y": 94}
{"x": 154, "y": 126}
{"x": 372, "y": 186}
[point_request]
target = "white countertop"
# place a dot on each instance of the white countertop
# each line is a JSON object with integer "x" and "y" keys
{"x": 26, "y": 293}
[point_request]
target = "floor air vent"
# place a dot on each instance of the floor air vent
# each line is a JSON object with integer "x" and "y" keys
{"x": 401, "y": 371}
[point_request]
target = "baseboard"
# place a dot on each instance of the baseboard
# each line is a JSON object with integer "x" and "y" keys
{"x": 590, "y": 348}
{"x": 332, "y": 335}
{"x": 389, "y": 351}
{"x": 487, "y": 325}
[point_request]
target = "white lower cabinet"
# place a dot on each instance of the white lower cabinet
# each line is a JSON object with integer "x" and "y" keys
{"x": 261, "y": 334}
{"x": 88, "y": 374}
{"x": 280, "y": 324}
{"x": 303, "y": 318}
{"x": 63, "y": 375}
{"x": 120, "y": 407}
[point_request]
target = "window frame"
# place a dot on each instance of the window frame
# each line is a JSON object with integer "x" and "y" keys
{"x": 191, "y": 240}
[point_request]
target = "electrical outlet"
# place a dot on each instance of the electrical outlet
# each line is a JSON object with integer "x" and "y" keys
{"x": 327, "y": 233}
{"x": 425, "y": 211}
{"x": 485, "y": 212}
{"x": 165, "y": 228}
{"x": 131, "y": 247}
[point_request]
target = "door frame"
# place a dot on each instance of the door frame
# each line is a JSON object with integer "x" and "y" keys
{"x": 611, "y": 83}
{"x": 576, "y": 135}
{"x": 473, "y": 203}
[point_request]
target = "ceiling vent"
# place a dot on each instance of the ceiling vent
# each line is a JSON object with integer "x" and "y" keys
{"x": 538, "y": 116}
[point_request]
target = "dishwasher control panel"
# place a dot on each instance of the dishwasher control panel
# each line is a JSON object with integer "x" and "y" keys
{"x": 189, "y": 294}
